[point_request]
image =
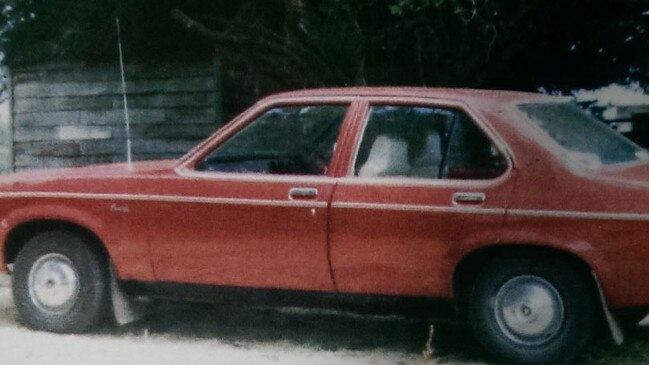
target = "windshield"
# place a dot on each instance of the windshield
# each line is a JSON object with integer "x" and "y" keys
{"x": 585, "y": 139}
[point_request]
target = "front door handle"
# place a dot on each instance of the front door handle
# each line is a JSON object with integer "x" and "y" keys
{"x": 302, "y": 193}
{"x": 469, "y": 198}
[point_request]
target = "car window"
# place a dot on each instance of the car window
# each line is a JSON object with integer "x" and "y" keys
{"x": 296, "y": 140}
{"x": 471, "y": 154}
{"x": 584, "y": 139}
{"x": 425, "y": 142}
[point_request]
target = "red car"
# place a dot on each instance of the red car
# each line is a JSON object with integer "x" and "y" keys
{"x": 521, "y": 210}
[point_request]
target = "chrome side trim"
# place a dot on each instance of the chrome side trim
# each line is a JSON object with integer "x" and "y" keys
{"x": 166, "y": 198}
{"x": 419, "y": 208}
{"x": 402, "y": 181}
{"x": 576, "y": 214}
{"x": 493, "y": 211}
{"x": 227, "y": 176}
{"x": 340, "y": 205}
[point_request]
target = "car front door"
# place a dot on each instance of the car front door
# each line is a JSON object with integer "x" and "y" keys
{"x": 252, "y": 210}
{"x": 426, "y": 182}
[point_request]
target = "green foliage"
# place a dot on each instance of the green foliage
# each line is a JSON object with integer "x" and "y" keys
{"x": 72, "y": 30}
{"x": 478, "y": 43}
{"x": 404, "y": 7}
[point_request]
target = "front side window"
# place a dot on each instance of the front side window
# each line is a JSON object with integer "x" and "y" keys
{"x": 585, "y": 139}
{"x": 425, "y": 142}
{"x": 297, "y": 140}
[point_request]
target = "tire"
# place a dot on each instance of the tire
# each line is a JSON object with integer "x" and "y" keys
{"x": 60, "y": 283}
{"x": 529, "y": 311}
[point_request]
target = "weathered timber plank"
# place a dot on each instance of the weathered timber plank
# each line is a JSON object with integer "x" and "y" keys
{"x": 102, "y": 147}
{"x": 25, "y": 161}
{"x": 138, "y": 146}
{"x": 179, "y": 115}
{"x": 173, "y": 132}
{"x": 71, "y": 103}
{"x": 67, "y": 132}
{"x": 155, "y": 101}
{"x": 47, "y": 118}
{"x": 76, "y": 72}
{"x": 48, "y": 148}
{"x": 29, "y": 162}
{"x": 98, "y": 132}
{"x": 39, "y": 89}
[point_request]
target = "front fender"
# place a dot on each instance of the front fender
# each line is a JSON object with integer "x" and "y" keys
{"x": 130, "y": 259}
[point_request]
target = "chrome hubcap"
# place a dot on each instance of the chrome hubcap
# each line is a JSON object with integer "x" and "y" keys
{"x": 529, "y": 310}
{"x": 53, "y": 283}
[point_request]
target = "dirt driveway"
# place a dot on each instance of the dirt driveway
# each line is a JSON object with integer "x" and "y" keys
{"x": 200, "y": 334}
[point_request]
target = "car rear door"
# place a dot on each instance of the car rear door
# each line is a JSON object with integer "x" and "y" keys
{"x": 428, "y": 181}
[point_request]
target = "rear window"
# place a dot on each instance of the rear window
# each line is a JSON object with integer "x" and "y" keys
{"x": 585, "y": 139}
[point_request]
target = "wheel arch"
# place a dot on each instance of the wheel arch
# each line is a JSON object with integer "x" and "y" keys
{"x": 23, "y": 232}
{"x": 468, "y": 268}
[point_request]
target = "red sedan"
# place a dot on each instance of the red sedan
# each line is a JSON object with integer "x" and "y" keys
{"x": 526, "y": 213}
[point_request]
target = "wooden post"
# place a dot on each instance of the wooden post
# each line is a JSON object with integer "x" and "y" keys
{"x": 6, "y": 126}
{"x": 218, "y": 92}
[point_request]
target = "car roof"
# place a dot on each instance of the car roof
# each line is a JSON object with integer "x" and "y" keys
{"x": 468, "y": 95}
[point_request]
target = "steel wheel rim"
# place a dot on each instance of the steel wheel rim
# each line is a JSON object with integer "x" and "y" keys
{"x": 53, "y": 283}
{"x": 529, "y": 310}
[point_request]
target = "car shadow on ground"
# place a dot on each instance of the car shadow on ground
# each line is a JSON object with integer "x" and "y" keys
{"x": 250, "y": 327}
{"x": 243, "y": 326}
{"x": 314, "y": 329}
{"x": 634, "y": 351}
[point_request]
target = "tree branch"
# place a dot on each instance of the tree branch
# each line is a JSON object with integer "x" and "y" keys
{"x": 264, "y": 41}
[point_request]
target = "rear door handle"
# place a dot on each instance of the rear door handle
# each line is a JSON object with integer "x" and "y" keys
{"x": 302, "y": 193}
{"x": 469, "y": 198}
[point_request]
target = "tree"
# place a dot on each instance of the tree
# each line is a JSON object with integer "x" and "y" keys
{"x": 8, "y": 19}
{"x": 472, "y": 43}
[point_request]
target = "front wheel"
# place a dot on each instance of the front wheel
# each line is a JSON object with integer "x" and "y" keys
{"x": 60, "y": 283}
{"x": 532, "y": 311}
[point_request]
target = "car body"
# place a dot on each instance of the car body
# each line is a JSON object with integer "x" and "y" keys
{"x": 366, "y": 214}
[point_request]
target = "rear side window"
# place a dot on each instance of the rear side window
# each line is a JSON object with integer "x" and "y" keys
{"x": 425, "y": 143}
{"x": 471, "y": 155}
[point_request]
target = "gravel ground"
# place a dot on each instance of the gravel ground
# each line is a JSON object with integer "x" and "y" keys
{"x": 177, "y": 333}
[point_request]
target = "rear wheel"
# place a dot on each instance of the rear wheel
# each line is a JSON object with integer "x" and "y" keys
{"x": 60, "y": 283}
{"x": 532, "y": 311}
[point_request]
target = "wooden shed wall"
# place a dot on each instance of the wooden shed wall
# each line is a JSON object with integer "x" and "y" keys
{"x": 72, "y": 115}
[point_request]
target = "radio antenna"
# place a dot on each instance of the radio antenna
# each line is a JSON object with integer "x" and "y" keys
{"x": 129, "y": 161}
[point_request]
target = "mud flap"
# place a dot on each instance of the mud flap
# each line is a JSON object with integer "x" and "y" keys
{"x": 125, "y": 308}
{"x": 613, "y": 325}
